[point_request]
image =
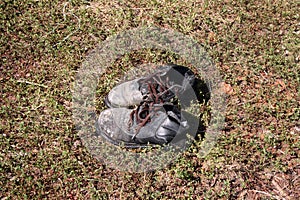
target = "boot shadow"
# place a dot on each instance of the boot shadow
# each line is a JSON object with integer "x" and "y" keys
{"x": 203, "y": 96}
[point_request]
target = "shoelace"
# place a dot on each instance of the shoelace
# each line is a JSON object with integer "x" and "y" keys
{"x": 155, "y": 99}
{"x": 163, "y": 91}
{"x": 154, "y": 102}
{"x": 143, "y": 114}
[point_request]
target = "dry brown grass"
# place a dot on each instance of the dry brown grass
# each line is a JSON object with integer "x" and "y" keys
{"x": 255, "y": 46}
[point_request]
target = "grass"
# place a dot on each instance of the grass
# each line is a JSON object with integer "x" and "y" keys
{"x": 255, "y": 45}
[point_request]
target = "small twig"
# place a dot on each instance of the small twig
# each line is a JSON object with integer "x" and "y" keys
{"x": 141, "y": 8}
{"x": 268, "y": 194}
{"x": 65, "y": 38}
{"x": 294, "y": 179}
{"x": 78, "y": 23}
{"x": 31, "y": 83}
{"x": 64, "y": 9}
{"x": 280, "y": 190}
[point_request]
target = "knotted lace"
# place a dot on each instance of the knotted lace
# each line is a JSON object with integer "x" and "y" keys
{"x": 159, "y": 94}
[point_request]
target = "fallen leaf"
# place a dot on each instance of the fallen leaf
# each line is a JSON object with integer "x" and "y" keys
{"x": 227, "y": 88}
{"x": 281, "y": 83}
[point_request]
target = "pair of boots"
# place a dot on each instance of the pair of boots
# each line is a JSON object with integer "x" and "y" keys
{"x": 147, "y": 110}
